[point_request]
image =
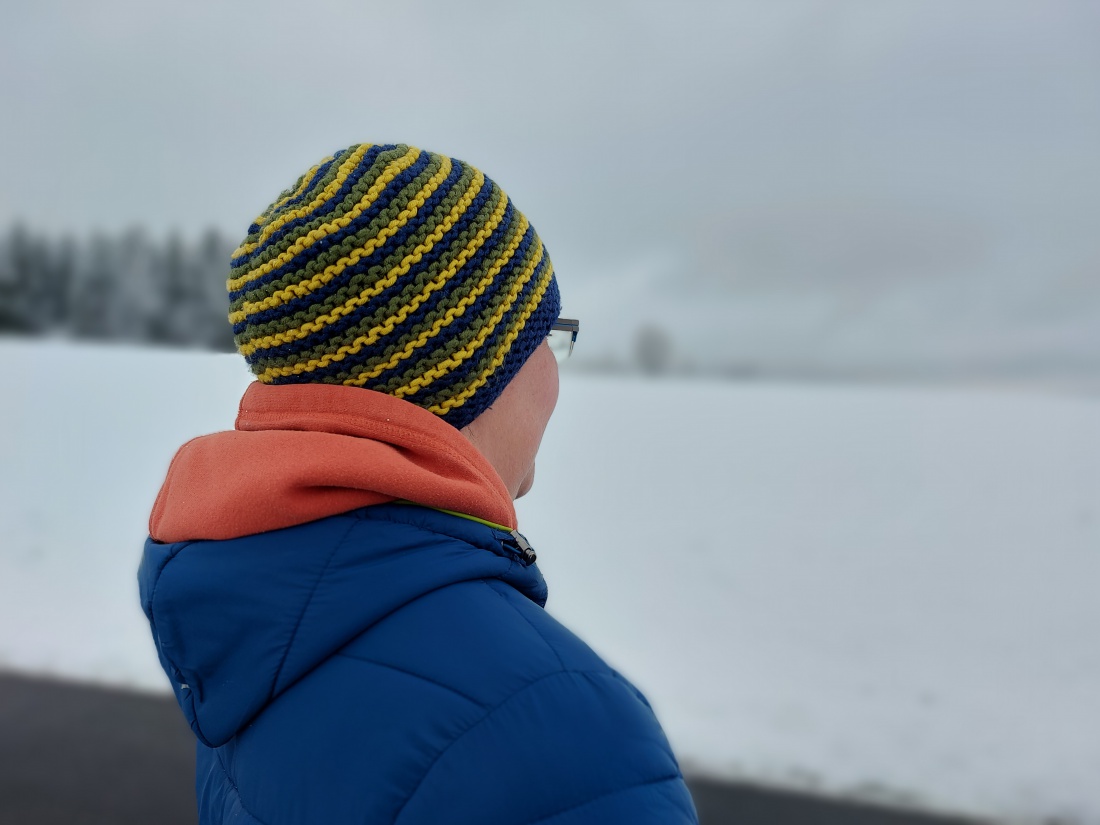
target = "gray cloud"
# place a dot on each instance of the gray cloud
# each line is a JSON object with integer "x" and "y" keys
{"x": 621, "y": 128}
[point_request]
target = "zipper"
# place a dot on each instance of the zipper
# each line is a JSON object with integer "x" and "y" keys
{"x": 517, "y": 541}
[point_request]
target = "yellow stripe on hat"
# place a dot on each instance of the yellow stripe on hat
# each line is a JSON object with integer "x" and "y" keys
{"x": 268, "y": 375}
{"x": 502, "y": 351}
{"x": 353, "y": 303}
{"x": 307, "y": 179}
{"x": 301, "y": 290}
{"x": 347, "y": 166}
{"x": 443, "y": 367}
{"x": 326, "y": 194}
{"x": 391, "y": 171}
{"x": 449, "y": 316}
{"x": 303, "y": 184}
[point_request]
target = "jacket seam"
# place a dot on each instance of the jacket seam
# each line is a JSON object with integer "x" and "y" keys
{"x": 488, "y": 713}
{"x": 538, "y": 632}
{"x": 305, "y": 609}
{"x": 598, "y": 797}
{"x": 414, "y": 675}
{"x": 153, "y": 596}
{"x": 160, "y": 574}
{"x": 236, "y": 790}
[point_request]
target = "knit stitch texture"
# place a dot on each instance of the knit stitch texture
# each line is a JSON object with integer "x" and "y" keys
{"x": 398, "y": 270}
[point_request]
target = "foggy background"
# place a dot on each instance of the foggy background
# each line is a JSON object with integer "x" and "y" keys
{"x": 840, "y": 188}
{"x": 855, "y": 240}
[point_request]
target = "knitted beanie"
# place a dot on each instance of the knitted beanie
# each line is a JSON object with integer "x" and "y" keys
{"x": 398, "y": 270}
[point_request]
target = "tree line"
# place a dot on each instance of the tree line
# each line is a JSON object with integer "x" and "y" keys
{"x": 122, "y": 287}
{"x": 131, "y": 287}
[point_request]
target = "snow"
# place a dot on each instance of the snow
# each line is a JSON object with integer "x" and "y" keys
{"x": 875, "y": 591}
{"x": 884, "y": 592}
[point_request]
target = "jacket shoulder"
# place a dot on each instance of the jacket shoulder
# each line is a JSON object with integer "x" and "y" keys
{"x": 481, "y": 638}
{"x": 572, "y": 746}
{"x": 471, "y": 698}
{"x": 555, "y": 732}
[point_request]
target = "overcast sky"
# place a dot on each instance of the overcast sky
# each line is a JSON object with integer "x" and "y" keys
{"x": 752, "y": 140}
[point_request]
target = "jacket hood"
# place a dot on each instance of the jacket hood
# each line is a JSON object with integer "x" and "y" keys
{"x": 274, "y": 545}
{"x": 237, "y": 622}
{"x": 301, "y": 452}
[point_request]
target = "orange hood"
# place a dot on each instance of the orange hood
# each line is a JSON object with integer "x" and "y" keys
{"x": 301, "y": 452}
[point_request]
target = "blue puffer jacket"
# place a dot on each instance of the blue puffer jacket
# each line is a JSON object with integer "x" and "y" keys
{"x": 375, "y": 662}
{"x": 394, "y": 664}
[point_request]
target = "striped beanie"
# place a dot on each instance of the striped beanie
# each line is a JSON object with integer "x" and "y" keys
{"x": 398, "y": 270}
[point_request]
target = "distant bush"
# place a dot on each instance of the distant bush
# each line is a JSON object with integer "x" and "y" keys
{"x": 653, "y": 349}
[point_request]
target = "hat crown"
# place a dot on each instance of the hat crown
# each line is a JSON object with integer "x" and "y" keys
{"x": 398, "y": 270}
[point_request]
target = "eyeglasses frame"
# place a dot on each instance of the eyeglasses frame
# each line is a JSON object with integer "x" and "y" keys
{"x": 571, "y": 325}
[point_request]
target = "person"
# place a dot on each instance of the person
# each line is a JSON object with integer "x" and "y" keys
{"x": 337, "y": 590}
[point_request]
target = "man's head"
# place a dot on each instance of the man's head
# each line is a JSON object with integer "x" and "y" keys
{"x": 397, "y": 270}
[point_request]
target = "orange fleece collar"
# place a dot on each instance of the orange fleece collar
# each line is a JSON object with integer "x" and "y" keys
{"x": 301, "y": 452}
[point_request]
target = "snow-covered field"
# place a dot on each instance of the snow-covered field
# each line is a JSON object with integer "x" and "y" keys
{"x": 875, "y": 591}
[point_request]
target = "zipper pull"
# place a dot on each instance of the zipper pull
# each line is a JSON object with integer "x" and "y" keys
{"x": 524, "y": 546}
